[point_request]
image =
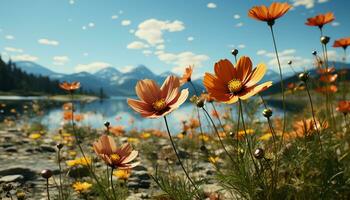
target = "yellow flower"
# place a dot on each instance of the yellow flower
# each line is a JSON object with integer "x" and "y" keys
{"x": 72, "y": 153}
{"x": 79, "y": 161}
{"x": 203, "y": 137}
{"x": 35, "y": 136}
{"x": 241, "y": 133}
{"x": 180, "y": 136}
{"x": 213, "y": 160}
{"x": 265, "y": 137}
{"x": 133, "y": 140}
{"x": 145, "y": 135}
{"x": 81, "y": 186}
{"x": 122, "y": 174}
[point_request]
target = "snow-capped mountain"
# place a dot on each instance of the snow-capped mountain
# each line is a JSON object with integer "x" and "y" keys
{"x": 34, "y": 68}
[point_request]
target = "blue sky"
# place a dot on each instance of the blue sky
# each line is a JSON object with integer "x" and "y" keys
{"x": 86, "y": 35}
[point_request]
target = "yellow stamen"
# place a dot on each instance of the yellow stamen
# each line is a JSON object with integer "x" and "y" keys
{"x": 234, "y": 85}
{"x": 159, "y": 104}
{"x": 115, "y": 157}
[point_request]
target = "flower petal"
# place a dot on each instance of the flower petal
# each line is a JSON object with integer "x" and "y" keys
{"x": 147, "y": 90}
{"x": 257, "y": 74}
{"x": 255, "y": 89}
{"x": 224, "y": 70}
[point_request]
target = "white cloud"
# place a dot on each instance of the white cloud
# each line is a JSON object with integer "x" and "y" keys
{"x": 127, "y": 68}
{"x": 60, "y": 60}
{"x": 91, "y": 24}
{"x": 240, "y": 24}
{"x": 190, "y": 38}
{"x": 91, "y": 67}
{"x": 85, "y": 54}
{"x": 308, "y": 4}
{"x": 84, "y": 27}
{"x": 131, "y": 31}
{"x": 137, "y": 45}
{"x": 114, "y": 17}
{"x": 12, "y": 49}
{"x": 71, "y": 2}
{"x": 151, "y": 30}
{"x": 24, "y": 57}
{"x": 211, "y": 5}
{"x": 285, "y": 56}
{"x": 147, "y": 52}
{"x": 236, "y": 16}
{"x": 261, "y": 52}
{"x": 9, "y": 37}
{"x": 182, "y": 60}
{"x": 158, "y": 52}
{"x": 335, "y": 23}
{"x": 160, "y": 47}
{"x": 125, "y": 22}
{"x": 45, "y": 41}
{"x": 241, "y": 46}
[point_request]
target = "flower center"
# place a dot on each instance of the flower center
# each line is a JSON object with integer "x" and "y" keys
{"x": 159, "y": 104}
{"x": 115, "y": 157}
{"x": 234, "y": 85}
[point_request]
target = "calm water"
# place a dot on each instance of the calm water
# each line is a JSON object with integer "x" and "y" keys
{"x": 115, "y": 110}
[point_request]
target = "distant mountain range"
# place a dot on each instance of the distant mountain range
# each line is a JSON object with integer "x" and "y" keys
{"x": 117, "y": 83}
{"x": 113, "y": 82}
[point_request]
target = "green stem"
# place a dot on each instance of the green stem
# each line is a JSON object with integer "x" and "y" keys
{"x": 82, "y": 151}
{"x": 177, "y": 155}
{"x": 282, "y": 85}
{"x": 313, "y": 114}
{"x": 47, "y": 189}
{"x": 216, "y": 112}
{"x": 61, "y": 196}
{"x": 113, "y": 190}
{"x": 217, "y": 133}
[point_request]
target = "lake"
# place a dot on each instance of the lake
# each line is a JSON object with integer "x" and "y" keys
{"x": 115, "y": 110}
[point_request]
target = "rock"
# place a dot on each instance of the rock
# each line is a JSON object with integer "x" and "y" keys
{"x": 11, "y": 149}
{"x": 6, "y": 145}
{"x": 142, "y": 175}
{"x": 47, "y": 148}
{"x": 139, "y": 168}
{"x": 11, "y": 178}
{"x": 26, "y": 173}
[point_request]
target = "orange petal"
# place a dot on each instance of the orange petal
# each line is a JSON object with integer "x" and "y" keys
{"x": 224, "y": 70}
{"x": 169, "y": 84}
{"x": 148, "y": 90}
{"x": 256, "y": 89}
{"x": 141, "y": 107}
{"x": 257, "y": 74}
{"x": 243, "y": 68}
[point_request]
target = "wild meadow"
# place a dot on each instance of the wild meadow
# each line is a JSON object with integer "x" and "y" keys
{"x": 234, "y": 146}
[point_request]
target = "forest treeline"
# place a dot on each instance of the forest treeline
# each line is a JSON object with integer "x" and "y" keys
{"x": 15, "y": 80}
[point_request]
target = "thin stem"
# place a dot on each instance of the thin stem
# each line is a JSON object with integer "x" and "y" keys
{"x": 247, "y": 140}
{"x": 313, "y": 114}
{"x": 60, "y": 171}
{"x": 82, "y": 151}
{"x": 237, "y": 128}
{"x": 216, "y": 112}
{"x": 47, "y": 189}
{"x": 263, "y": 101}
{"x": 235, "y": 58}
{"x": 282, "y": 85}
{"x": 107, "y": 172}
{"x": 217, "y": 133}
{"x": 177, "y": 155}
{"x": 113, "y": 191}
{"x": 198, "y": 115}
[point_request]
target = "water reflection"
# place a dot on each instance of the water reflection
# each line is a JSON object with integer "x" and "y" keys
{"x": 116, "y": 111}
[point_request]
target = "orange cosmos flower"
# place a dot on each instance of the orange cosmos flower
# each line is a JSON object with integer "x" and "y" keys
{"x": 325, "y": 70}
{"x": 186, "y": 77}
{"x": 329, "y": 89}
{"x": 269, "y": 14}
{"x": 344, "y": 107}
{"x": 343, "y": 42}
{"x": 70, "y": 87}
{"x": 307, "y": 127}
{"x": 232, "y": 83}
{"x": 120, "y": 158}
{"x": 328, "y": 78}
{"x": 320, "y": 20}
{"x": 158, "y": 101}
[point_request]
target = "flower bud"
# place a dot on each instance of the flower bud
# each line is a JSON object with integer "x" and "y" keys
{"x": 304, "y": 76}
{"x": 290, "y": 62}
{"x": 59, "y": 146}
{"x": 234, "y": 52}
{"x": 200, "y": 103}
{"x": 46, "y": 173}
{"x": 267, "y": 112}
{"x": 107, "y": 124}
{"x": 259, "y": 153}
{"x": 203, "y": 148}
{"x": 314, "y": 53}
{"x": 325, "y": 40}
